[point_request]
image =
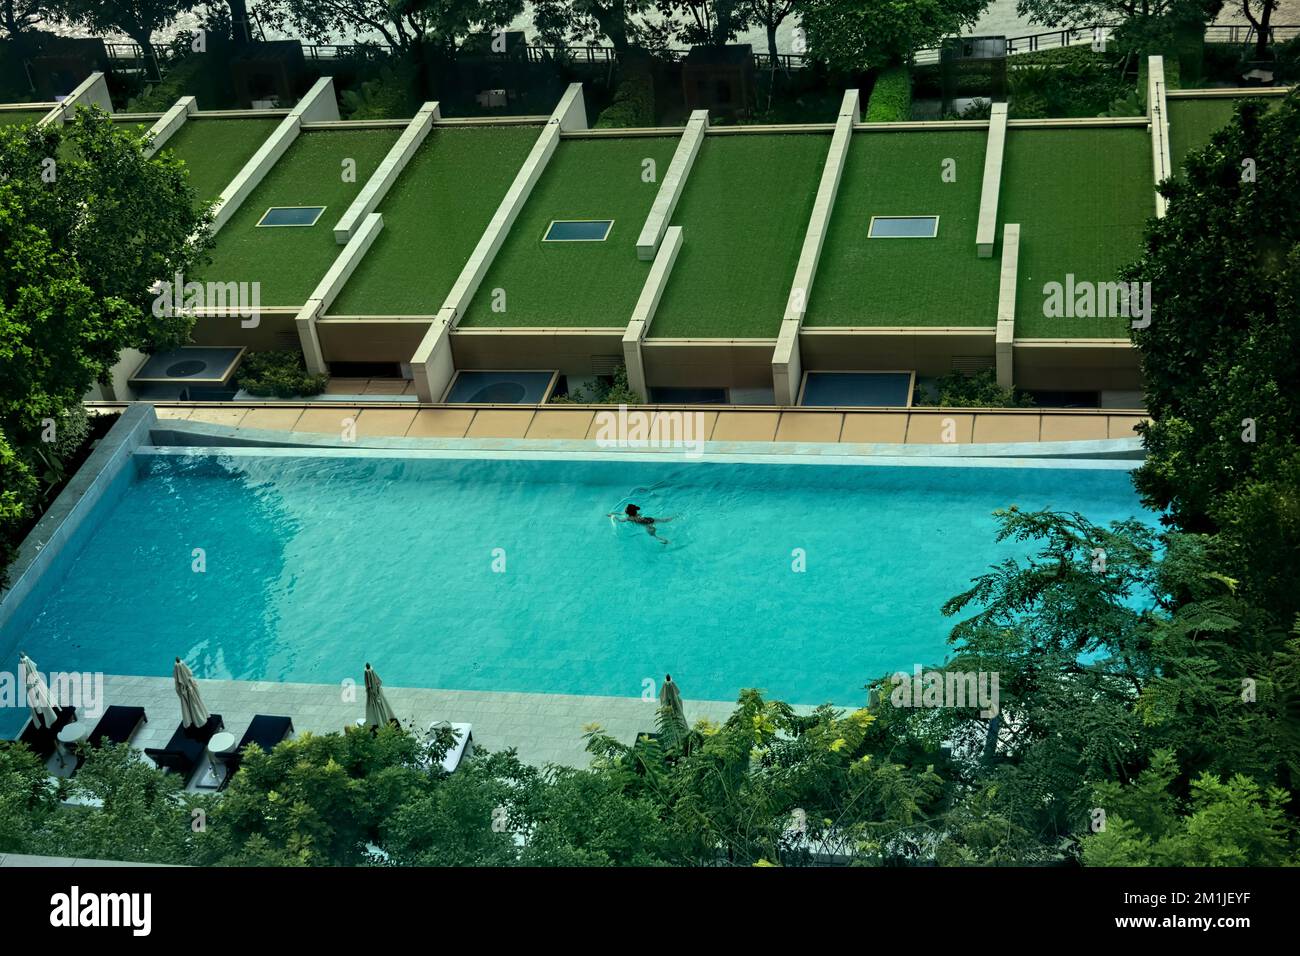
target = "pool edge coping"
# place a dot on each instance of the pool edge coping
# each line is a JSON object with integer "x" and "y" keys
{"x": 74, "y": 504}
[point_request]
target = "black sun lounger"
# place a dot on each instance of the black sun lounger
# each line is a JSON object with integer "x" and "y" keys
{"x": 265, "y": 732}
{"x": 43, "y": 741}
{"x": 184, "y": 751}
{"x": 117, "y": 726}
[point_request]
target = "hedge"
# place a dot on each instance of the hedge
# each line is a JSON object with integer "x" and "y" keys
{"x": 280, "y": 373}
{"x": 633, "y": 104}
{"x": 891, "y": 97}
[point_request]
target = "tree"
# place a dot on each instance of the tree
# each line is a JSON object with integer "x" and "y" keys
{"x": 1260, "y": 15}
{"x": 241, "y": 27}
{"x": 771, "y": 14}
{"x": 405, "y": 25}
{"x": 17, "y": 490}
{"x": 1219, "y": 357}
{"x": 138, "y": 19}
{"x": 1233, "y": 822}
{"x": 89, "y": 226}
{"x": 19, "y": 16}
{"x": 708, "y": 22}
{"x": 561, "y": 21}
{"x": 852, "y": 36}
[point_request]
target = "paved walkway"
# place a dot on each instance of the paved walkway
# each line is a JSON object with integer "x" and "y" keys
{"x": 545, "y": 728}
{"x": 904, "y": 426}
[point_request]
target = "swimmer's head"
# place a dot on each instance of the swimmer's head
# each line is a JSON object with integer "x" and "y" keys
{"x": 632, "y": 511}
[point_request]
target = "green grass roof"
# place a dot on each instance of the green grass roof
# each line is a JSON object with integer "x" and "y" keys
{"x": 18, "y": 117}
{"x": 1082, "y": 198}
{"x": 1193, "y": 121}
{"x": 289, "y": 262}
{"x": 433, "y": 217}
{"x": 743, "y": 215}
{"x": 907, "y": 282}
{"x": 215, "y": 150}
{"x": 592, "y": 284}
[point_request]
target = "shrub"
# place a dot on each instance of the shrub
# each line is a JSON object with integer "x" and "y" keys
{"x": 391, "y": 95}
{"x": 17, "y": 489}
{"x": 633, "y": 104}
{"x": 979, "y": 390}
{"x": 891, "y": 97}
{"x": 1079, "y": 87}
{"x": 282, "y": 374}
{"x": 617, "y": 392}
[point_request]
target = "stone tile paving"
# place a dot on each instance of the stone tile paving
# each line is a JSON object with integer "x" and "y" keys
{"x": 545, "y": 728}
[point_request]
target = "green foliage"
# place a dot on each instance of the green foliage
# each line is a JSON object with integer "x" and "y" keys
{"x": 122, "y": 808}
{"x": 978, "y": 390}
{"x": 891, "y": 97}
{"x": 850, "y": 35}
{"x": 1222, "y": 384}
{"x": 404, "y": 24}
{"x": 281, "y": 373}
{"x": 314, "y": 801}
{"x": 616, "y": 392}
{"x": 633, "y": 104}
{"x": 391, "y": 95}
{"x": 1233, "y": 822}
{"x": 88, "y": 225}
{"x": 17, "y": 490}
{"x": 1083, "y": 86}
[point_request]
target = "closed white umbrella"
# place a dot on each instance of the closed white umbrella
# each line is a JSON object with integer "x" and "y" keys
{"x": 378, "y": 711}
{"x": 194, "y": 713}
{"x": 38, "y": 695}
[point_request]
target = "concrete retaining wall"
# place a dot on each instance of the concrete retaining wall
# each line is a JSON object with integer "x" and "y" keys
{"x": 1077, "y": 364}
{"x": 1006, "y": 330}
{"x": 171, "y": 121}
{"x": 708, "y": 363}
{"x": 929, "y": 351}
{"x": 986, "y": 230}
{"x": 785, "y": 359}
{"x": 330, "y": 285}
{"x": 644, "y": 311}
{"x": 369, "y": 339}
{"x": 93, "y": 91}
{"x": 432, "y": 363}
{"x": 577, "y": 352}
{"x": 571, "y": 113}
{"x": 319, "y": 103}
{"x": 1158, "y": 114}
{"x": 376, "y": 188}
{"x": 672, "y": 185}
{"x": 274, "y": 330}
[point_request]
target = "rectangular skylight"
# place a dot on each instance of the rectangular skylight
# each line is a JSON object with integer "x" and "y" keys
{"x": 904, "y": 227}
{"x": 291, "y": 216}
{"x": 578, "y": 230}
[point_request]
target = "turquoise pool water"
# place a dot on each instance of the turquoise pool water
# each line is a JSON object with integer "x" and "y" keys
{"x": 508, "y": 575}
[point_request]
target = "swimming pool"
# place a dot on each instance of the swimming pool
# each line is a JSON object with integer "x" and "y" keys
{"x": 507, "y": 574}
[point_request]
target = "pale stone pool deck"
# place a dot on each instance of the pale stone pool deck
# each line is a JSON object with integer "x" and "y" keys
{"x": 544, "y": 728}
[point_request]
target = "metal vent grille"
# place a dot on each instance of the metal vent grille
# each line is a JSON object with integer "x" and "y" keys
{"x": 605, "y": 364}
{"x": 288, "y": 338}
{"x": 969, "y": 364}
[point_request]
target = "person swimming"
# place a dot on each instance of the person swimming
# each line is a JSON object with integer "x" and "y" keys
{"x": 632, "y": 513}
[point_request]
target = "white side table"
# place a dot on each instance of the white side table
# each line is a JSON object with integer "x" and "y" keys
{"x": 69, "y": 737}
{"x": 220, "y": 745}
